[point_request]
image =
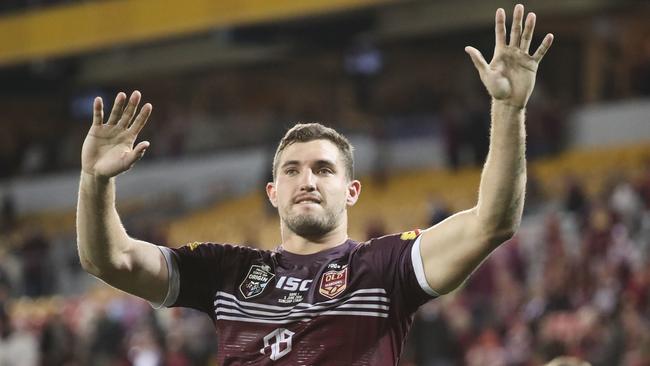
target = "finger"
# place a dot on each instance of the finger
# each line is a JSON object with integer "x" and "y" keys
{"x": 137, "y": 153}
{"x": 543, "y": 48}
{"x": 477, "y": 59}
{"x": 515, "y": 30}
{"x": 118, "y": 108}
{"x": 141, "y": 119}
{"x": 141, "y": 148}
{"x": 527, "y": 36}
{"x": 500, "y": 28}
{"x": 98, "y": 111}
{"x": 130, "y": 109}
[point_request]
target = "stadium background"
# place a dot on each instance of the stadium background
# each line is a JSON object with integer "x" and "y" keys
{"x": 227, "y": 78}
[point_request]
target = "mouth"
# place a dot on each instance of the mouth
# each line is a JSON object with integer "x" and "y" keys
{"x": 307, "y": 200}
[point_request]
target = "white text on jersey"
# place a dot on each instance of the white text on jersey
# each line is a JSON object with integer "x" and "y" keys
{"x": 292, "y": 284}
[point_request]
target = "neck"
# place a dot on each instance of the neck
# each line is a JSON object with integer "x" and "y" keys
{"x": 297, "y": 244}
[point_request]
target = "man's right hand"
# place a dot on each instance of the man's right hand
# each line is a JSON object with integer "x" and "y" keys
{"x": 105, "y": 249}
{"x": 108, "y": 149}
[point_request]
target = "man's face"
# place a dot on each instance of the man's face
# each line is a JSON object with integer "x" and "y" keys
{"x": 311, "y": 190}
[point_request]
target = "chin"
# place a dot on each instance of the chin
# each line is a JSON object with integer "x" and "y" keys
{"x": 308, "y": 225}
{"x": 311, "y": 231}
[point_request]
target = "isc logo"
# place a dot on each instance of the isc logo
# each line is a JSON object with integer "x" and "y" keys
{"x": 292, "y": 284}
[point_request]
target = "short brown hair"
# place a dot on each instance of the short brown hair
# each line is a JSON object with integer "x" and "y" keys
{"x": 306, "y": 132}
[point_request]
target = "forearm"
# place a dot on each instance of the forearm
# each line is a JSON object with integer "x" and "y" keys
{"x": 503, "y": 180}
{"x": 101, "y": 238}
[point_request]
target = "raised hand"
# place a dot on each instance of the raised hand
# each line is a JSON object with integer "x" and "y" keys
{"x": 108, "y": 149}
{"x": 510, "y": 76}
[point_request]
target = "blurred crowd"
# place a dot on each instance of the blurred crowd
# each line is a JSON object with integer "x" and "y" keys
{"x": 575, "y": 280}
{"x": 103, "y": 328}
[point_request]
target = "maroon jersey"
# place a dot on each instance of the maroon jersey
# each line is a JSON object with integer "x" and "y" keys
{"x": 349, "y": 305}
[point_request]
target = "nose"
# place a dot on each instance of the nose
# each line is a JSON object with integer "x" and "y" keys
{"x": 307, "y": 181}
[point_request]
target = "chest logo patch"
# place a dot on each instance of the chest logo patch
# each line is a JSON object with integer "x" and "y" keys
{"x": 333, "y": 283}
{"x": 256, "y": 280}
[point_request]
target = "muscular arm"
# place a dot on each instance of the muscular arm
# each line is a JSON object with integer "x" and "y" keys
{"x": 503, "y": 180}
{"x": 105, "y": 249}
{"x": 107, "y": 252}
{"x": 454, "y": 248}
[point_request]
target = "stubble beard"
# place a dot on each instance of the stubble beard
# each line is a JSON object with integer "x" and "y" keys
{"x": 312, "y": 225}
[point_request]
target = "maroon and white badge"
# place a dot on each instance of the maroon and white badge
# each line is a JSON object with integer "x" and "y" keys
{"x": 333, "y": 283}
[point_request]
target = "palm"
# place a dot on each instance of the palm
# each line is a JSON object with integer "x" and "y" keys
{"x": 104, "y": 151}
{"x": 510, "y": 75}
{"x": 108, "y": 148}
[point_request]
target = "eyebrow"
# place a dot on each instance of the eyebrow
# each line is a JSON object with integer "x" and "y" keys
{"x": 321, "y": 162}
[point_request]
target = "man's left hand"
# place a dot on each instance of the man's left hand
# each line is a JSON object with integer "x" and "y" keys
{"x": 510, "y": 76}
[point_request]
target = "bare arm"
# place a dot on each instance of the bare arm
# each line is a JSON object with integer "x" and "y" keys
{"x": 453, "y": 249}
{"x": 105, "y": 249}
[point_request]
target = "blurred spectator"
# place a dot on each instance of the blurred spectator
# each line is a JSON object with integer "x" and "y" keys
{"x": 432, "y": 338}
{"x": 5, "y": 285}
{"x": 488, "y": 350}
{"x": 18, "y": 347}
{"x": 575, "y": 199}
{"x": 597, "y": 237}
{"x": 106, "y": 345}
{"x": 535, "y": 197}
{"x": 143, "y": 349}
{"x": 7, "y": 213}
{"x": 37, "y": 274}
{"x": 643, "y": 184}
{"x": 453, "y": 128}
{"x": 627, "y": 205}
{"x": 545, "y": 125}
{"x": 478, "y": 129}
{"x": 58, "y": 343}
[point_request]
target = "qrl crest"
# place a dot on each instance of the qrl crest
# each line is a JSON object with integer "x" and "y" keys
{"x": 256, "y": 280}
{"x": 333, "y": 283}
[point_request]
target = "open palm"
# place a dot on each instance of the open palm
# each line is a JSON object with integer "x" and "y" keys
{"x": 510, "y": 75}
{"x": 108, "y": 148}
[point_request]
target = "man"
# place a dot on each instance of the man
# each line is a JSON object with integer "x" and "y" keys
{"x": 320, "y": 298}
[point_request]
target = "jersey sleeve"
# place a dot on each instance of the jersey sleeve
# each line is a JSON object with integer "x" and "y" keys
{"x": 398, "y": 259}
{"x": 198, "y": 270}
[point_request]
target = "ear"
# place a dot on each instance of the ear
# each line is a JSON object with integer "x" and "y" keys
{"x": 272, "y": 193}
{"x": 354, "y": 190}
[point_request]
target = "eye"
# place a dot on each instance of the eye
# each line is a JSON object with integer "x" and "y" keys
{"x": 291, "y": 171}
{"x": 325, "y": 171}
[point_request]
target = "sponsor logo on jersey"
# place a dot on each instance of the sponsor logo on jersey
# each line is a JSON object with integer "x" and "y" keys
{"x": 410, "y": 235}
{"x": 292, "y": 283}
{"x": 193, "y": 245}
{"x": 333, "y": 283}
{"x": 256, "y": 280}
